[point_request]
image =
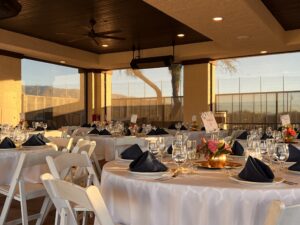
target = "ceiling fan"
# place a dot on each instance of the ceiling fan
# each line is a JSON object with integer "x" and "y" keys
{"x": 93, "y": 35}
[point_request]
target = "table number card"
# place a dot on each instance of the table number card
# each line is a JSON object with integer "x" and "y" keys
{"x": 285, "y": 119}
{"x": 209, "y": 122}
{"x": 194, "y": 118}
{"x": 133, "y": 118}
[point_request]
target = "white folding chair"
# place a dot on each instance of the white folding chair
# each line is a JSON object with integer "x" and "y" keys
{"x": 61, "y": 168}
{"x": 23, "y": 191}
{"x": 63, "y": 193}
{"x": 62, "y": 143}
{"x": 89, "y": 147}
{"x": 279, "y": 214}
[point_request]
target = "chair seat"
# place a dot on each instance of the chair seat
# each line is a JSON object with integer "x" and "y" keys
{"x": 32, "y": 191}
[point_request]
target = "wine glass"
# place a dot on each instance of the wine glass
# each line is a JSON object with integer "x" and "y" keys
{"x": 191, "y": 148}
{"x": 179, "y": 154}
{"x": 153, "y": 147}
{"x": 161, "y": 147}
{"x": 280, "y": 154}
{"x": 269, "y": 132}
{"x": 45, "y": 125}
{"x": 178, "y": 126}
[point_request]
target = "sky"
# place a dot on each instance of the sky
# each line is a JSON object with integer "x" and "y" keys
{"x": 255, "y": 74}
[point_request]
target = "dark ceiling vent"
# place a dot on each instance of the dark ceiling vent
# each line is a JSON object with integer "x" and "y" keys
{"x": 152, "y": 62}
{"x": 9, "y": 8}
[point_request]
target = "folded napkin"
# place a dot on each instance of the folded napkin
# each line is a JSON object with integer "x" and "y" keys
{"x": 147, "y": 163}
{"x": 86, "y": 125}
{"x": 170, "y": 149}
{"x": 203, "y": 129}
{"x": 295, "y": 167}
{"x": 95, "y": 131}
{"x": 127, "y": 132}
{"x": 294, "y": 154}
{"x": 7, "y": 143}
{"x": 183, "y": 128}
{"x": 172, "y": 127}
{"x": 237, "y": 148}
{"x": 298, "y": 136}
{"x": 132, "y": 152}
{"x": 34, "y": 140}
{"x": 39, "y": 129}
{"x": 256, "y": 171}
{"x": 104, "y": 132}
{"x": 279, "y": 128}
{"x": 43, "y": 138}
{"x": 265, "y": 137}
{"x": 160, "y": 131}
{"x": 243, "y": 136}
{"x": 151, "y": 132}
{"x": 140, "y": 130}
{"x": 94, "y": 125}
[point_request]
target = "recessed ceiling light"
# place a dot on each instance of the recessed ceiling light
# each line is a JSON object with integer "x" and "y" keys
{"x": 180, "y": 35}
{"x": 242, "y": 37}
{"x": 104, "y": 45}
{"x": 263, "y": 52}
{"x": 217, "y": 19}
{"x": 62, "y": 61}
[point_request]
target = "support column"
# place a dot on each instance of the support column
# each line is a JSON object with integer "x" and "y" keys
{"x": 199, "y": 90}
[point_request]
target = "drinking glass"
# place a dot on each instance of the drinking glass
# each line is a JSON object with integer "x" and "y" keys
{"x": 161, "y": 147}
{"x": 178, "y": 126}
{"x": 191, "y": 147}
{"x": 153, "y": 147}
{"x": 45, "y": 125}
{"x": 269, "y": 131}
{"x": 179, "y": 154}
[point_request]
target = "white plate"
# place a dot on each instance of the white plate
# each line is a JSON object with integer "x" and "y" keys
{"x": 7, "y": 149}
{"x": 148, "y": 174}
{"x": 277, "y": 180}
{"x": 125, "y": 160}
{"x": 35, "y": 146}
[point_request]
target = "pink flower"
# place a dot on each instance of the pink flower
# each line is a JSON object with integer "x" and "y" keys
{"x": 212, "y": 146}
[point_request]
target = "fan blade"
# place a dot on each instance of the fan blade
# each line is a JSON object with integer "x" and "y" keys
{"x": 69, "y": 34}
{"x": 78, "y": 39}
{"x": 111, "y": 37}
{"x": 107, "y": 32}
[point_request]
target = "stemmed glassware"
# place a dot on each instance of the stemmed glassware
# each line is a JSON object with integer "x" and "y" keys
{"x": 178, "y": 126}
{"x": 161, "y": 147}
{"x": 191, "y": 148}
{"x": 179, "y": 153}
{"x": 152, "y": 145}
{"x": 280, "y": 153}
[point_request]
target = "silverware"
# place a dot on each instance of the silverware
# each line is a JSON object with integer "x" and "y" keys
{"x": 290, "y": 182}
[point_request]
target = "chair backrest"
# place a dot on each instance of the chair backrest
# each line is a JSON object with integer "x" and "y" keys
{"x": 89, "y": 198}
{"x": 60, "y": 167}
{"x": 279, "y": 214}
{"x": 84, "y": 145}
{"x": 62, "y": 142}
{"x": 120, "y": 144}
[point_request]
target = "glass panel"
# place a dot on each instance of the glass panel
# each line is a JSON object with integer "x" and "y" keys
{"x": 53, "y": 94}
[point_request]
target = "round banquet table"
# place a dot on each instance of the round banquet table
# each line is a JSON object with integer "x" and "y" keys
{"x": 207, "y": 197}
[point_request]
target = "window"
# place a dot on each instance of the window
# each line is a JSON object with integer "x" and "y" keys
{"x": 156, "y": 95}
{"x": 52, "y": 93}
{"x": 259, "y": 89}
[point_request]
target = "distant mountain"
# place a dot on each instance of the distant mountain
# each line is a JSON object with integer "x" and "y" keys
{"x": 51, "y": 91}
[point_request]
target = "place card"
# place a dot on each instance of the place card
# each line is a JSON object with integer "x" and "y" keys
{"x": 209, "y": 122}
{"x": 285, "y": 119}
{"x": 194, "y": 118}
{"x": 133, "y": 118}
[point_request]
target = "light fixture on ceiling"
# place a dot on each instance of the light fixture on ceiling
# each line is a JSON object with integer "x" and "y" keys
{"x": 217, "y": 18}
{"x": 104, "y": 45}
{"x": 263, "y": 52}
{"x": 62, "y": 61}
{"x": 181, "y": 35}
{"x": 242, "y": 37}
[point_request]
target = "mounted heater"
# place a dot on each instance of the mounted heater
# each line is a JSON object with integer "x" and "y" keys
{"x": 9, "y": 8}
{"x": 152, "y": 62}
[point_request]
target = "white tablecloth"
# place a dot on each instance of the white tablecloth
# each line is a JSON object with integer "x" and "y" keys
{"x": 207, "y": 198}
{"x": 9, "y": 160}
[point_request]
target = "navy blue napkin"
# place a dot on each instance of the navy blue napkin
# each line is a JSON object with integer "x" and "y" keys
{"x": 237, "y": 148}
{"x": 132, "y": 152}
{"x": 127, "y": 132}
{"x": 151, "y": 132}
{"x": 147, "y": 163}
{"x": 256, "y": 171}
{"x": 243, "y": 136}
{"x": 295, "y": 167}
{"x": 95, "y": 131}
{"x": 265, "y": 137}
{"x": 94, "y": 125}
{"x": 203, "y": 129}
{"x": 298, "y": 136}
{"x": 104, "y": 132}
{"x": 43, "y": 138}
{"x": 183, "y": 128}
{"x": 39, "y": 129}
{"x": 172, "y": 127}
{"x": 279, "y": 128}
{"x": 170, "y": 149}
{"x": 294, "y": 154}
{"x": 7, "y": 143}
{"x": 34, "y": 140}
{"x": 86, "y": 125}
{"x": 160, "y": 131}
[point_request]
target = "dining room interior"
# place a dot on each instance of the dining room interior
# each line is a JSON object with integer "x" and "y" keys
{"x": 165, "y": 112}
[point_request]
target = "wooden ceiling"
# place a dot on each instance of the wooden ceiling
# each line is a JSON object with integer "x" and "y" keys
{"x": 286, "y": 12}
{"x": 67, "y": 23}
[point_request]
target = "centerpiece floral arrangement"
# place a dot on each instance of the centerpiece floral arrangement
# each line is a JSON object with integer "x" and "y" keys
{"x": 215, "y": 152}
{"x": 289, "y": 134}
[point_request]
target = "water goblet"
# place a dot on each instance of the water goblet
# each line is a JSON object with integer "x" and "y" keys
{"x": 161, "y": 147}
{"x": 153, "y": 147}
{"x": 178, "y": 126}
{"x": 179, "y": 154}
